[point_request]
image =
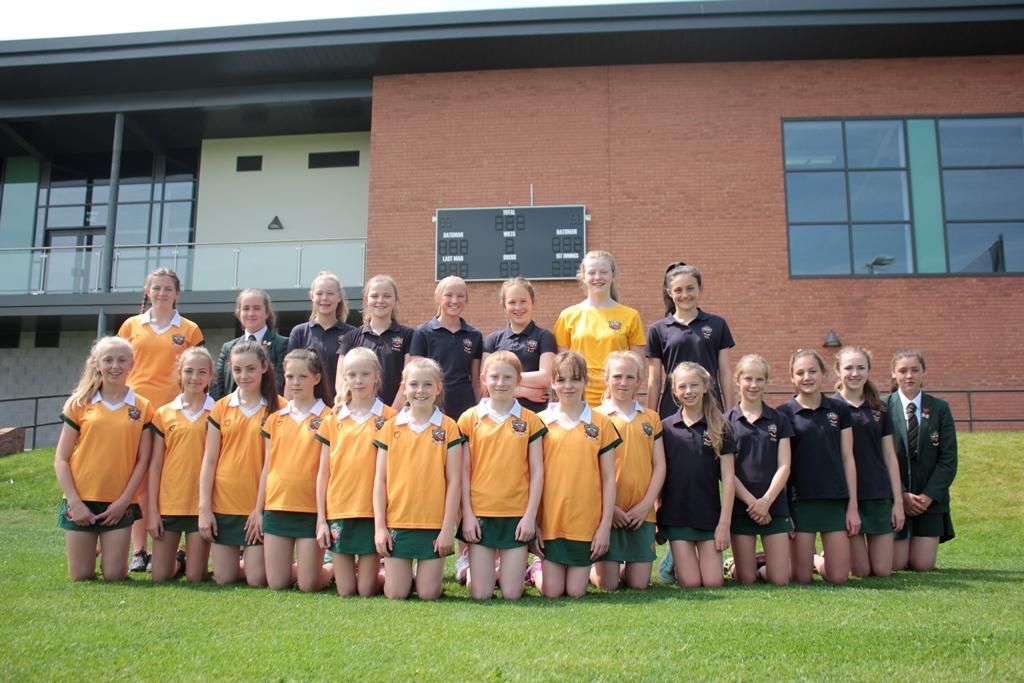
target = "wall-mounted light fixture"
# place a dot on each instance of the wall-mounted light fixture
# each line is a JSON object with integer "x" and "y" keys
{"x": 832, "y": 340}
{"x": 275, "y": 224}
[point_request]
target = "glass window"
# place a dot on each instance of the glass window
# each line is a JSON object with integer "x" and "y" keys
{"x": 66, "y": 217}
{"x": 63, "y": 195}
{"x": 134, "y": 192}
{"x": 986, "y": 247}
{"x": 177, "y": 222}
{"x": 813, "y": 145}
{"x": 178, "y": 189}
{"x": 879, "y": 196}
{"x": 816, "y": 197}
{"x": 875, "y": 144}
{"x": 992, "y": 194}
{"x": 819, "y": 250}
{"x": 982, "y": 142}
{"x": 132, "y": 224}
{"x": 882, "y": 249}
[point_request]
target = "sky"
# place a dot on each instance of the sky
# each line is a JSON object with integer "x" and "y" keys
{"x": 65, "y": 18}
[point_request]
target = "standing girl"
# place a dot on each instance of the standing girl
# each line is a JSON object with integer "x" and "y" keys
{"x": 454, "y": 345}
{"x": 179, "y": 430}
{"x": 416, "y": 486}
{"x": 229, "y": 479}
{"x": 382, "y": 334}
{"x": 503, "y": 473}
{"x": 823, "y": 481}
{"x": 287, "y": 494}
{"x": 699, "y": 452}
{"x": 534, "y": 346}
{"x": 255, "y": 314}
{"x": 344, "y": 484}
{"x": 762, "y": 435}
{"x": 326, "y": 324}
{"x": 101, "y": 460}
{"x": 925, "y": 439}
{"x": 599, "y": 324}
{"x": 158, "y": 335}
{"x": 578, "y": 500}
{"x": 686, "y": 333}
{"x": 639, "y": 475}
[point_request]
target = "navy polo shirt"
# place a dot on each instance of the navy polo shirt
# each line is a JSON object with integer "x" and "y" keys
{"x": 528, "y": 346}
{"x": 757, "y": 455}
{"x": 311, "y": 335}
{"x": 390, "y": 347}
{"x": 454, "y": 352}
{"x": 817, "y": 471}
{"x": 690, "y": 494}
{"x": 673, "y": 342}
{"x": 869, "y": 426}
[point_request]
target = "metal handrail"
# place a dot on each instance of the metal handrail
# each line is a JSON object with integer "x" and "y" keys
{"x": 36, "y": 424}
{"x": 170, "y": 245}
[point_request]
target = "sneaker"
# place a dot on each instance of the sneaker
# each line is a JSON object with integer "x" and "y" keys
{"x": 139, "y": 562}
{"x": 729, "y": 567}
{"x": 530, "y": 571}
{"x": 180, "y": 559}
{"x": 666, "y": 569}
{"x": 462, "y": 569}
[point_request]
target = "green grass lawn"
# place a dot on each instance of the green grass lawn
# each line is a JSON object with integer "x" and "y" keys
{"x": 964, "y": 621}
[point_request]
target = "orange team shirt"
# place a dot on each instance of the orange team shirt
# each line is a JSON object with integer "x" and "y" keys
{"x": 571, "y": 504}
{"x": 416, "y": 469}
{"x": 499, "y": 462}
{"x": 156, "y": 352}
{"x": 108, "y": 444}
{"x": 294, "y": 458}
{"x": 596, "y": 332}
{"x": 184, "y": 438}
{"x": 634, "y": 460}
{"x": 353, "y": 459}
{"x": 237, "y": 481}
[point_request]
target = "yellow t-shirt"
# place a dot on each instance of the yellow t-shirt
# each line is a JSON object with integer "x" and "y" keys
{"x": 184, "y": 439}
{"x": 571, "y": 504}
{"x": 499, "y": 462}
{"x": 353, "y": 459}
{"x": 634, "y": 463}
{"x": 417, "y": 481}
{"x": 596, "y": 332}
{"x": 237, "y": 481}
{"x": 294, "y": 458}
{"x": 108, "y": 445}
{"x": 154, "y": 374}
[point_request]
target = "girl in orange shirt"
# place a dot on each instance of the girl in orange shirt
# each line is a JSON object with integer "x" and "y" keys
{"x": 180, "y": 437}
{"x": 101, "y": 460}
{"x": 344, "y": 484}
{"x": 416, "y": 486}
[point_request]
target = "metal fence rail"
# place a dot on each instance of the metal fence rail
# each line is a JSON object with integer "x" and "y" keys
{"x": 36, "y": 424}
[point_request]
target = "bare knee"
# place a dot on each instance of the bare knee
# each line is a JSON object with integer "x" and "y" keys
{"x": 714, "y": 582}
{"x": 636, "y": 583}
{"x": 860, "y": 569}
{"x": 576, "y": 591}
{"x": 921, "y": 564}
{"x": 81, "y": 574}
{"x": 432, "y": 593}
{"x": 309, "y": 586}
{"x": 116, "y": 574}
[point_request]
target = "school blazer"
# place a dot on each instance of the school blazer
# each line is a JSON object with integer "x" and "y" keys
{"x": 934, "y": 468}
{"x": 276, "y": 346}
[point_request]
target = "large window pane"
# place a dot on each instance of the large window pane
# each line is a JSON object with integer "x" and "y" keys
{"x": 986, "y": 247}
{"x": 816, "y": 197}
{"x": 177, "y": 222}
{"x": 882, "y": 249}
{"x": 66, "y": 217}
{"x": 996, "y": 194}
{"x": 875, "y": 144}
{"x": 982, "y": 142}
{"x": 819, "y": 250}
{"x": 879, "y": 196}
{"x": 67, "y": 195}
{"x": 812, "y": 145}
{"x": 132, "y": 224}
{"x": 179, "y": 189}
{"x": 134, "y": 192}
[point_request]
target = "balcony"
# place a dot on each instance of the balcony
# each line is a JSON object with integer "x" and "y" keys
{"x": 207, "y": 266}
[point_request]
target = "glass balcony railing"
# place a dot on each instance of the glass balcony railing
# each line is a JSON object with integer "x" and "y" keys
{"x": 201, "y": 267}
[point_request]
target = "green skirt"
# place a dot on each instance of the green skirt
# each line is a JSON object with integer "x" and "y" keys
{"x": 875, "y": 516}
{"x": 289, "y": 524}
{"x": 631, "y": 545}
{"x": 496, "y": 532}
{"x": 928, "y": 525}
{"x": 743, "y": 525}
{"x": 569, "y": 553}
{"x": 131, "y": 513}
{"x": 231, "y": 530}
{"x": 685, "y": 533}
{"x": 414, "y": 544}
{"x": 352, "y": 536}
{"x": 819, "y": 516}
{"x": 185, "y": 524}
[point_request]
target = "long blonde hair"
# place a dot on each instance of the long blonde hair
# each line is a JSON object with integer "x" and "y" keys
{"x": 188, "y": 353}
{"x": 91, "y": 380}
{"x": 712, "y": 413}
{"x": 341, "y": 312}
{"x": 370, "y": 284}
{"x": 355, "y": 355}
{"x": 598, "y": 255}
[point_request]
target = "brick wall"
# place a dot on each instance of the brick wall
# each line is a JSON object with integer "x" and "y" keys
{"x": 683, "y": 161}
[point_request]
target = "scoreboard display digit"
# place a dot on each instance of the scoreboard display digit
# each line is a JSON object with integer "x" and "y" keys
{"x": 537, "y": 242}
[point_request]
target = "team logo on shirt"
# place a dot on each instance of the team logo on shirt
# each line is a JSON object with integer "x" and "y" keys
{"x": 935, "y": 438}
{"x": 467, "y": 345}
{"x": 396, "y": 343}
{"x": 379, "y": 422}
{"x": 314, "y": 424}
{"x": 531, "y": 345}
{"x": 648, "y": 428}
{"x": 773, "y": 432}
{"x": 833, "y": 419}
{"x": 178, "y": 339}
{"x": 518, "y": 427}
{"x": 134, "y": 414}
{"x": 335, "y": 531}
{"x": 615, "y": 325}
{"x": 437, "y": 435}
{"x": 877, "y": 414}
{"x": 340, "y": 337}
{"x": 591, "y": 431}
{"x": 925, "y": 413}
{"x": 707, "y": 440}
{"x": 706, "y": 331}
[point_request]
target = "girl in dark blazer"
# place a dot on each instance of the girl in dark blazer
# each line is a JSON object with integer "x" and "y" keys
{"x": 927, "y": 463}
{"x": 253, "y": 310}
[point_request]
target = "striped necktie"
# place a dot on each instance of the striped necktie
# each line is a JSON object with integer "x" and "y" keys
{"x": 912, "y": 430}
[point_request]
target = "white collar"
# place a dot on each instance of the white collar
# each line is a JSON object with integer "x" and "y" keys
{"x": 609, "y": 408}
{"x": 129, "y": 398}
{"x": 290, "y": 409}
{"x": 553, "y": 414}
{"x": 234, "y": 402}
{"x": 484, "y": 408}
{"x": 377, "y": 409}
{"x": 403, "y": 419}
{"x": 145, "y": 319}
{"x": 259, "y": 334}
{"x": 906, "y": 401}
{"x": 178, "y": 404}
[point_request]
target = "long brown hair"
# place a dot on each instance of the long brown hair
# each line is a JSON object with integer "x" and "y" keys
{"x": 871, "y": 396}
{"x": 188, "y": 353}
{"x": 271, "y": 319}
{"x": 268, "y": 383}
{"x": 712, "y": 413}
{"x": 315, "y": 364}
{"x": 159, "y": 272}
{"x": 91, "y": 380}
{"x": 675, "y": 271}
{"x": 906, "y": 353}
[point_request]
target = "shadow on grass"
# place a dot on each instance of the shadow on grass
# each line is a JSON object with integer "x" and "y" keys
{"x": 959, "y": 578}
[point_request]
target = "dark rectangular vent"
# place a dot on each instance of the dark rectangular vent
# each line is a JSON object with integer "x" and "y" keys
{"x": 48, "y": 332}
{"x": 250, "y": 163}
{"x": 333, "y": 159}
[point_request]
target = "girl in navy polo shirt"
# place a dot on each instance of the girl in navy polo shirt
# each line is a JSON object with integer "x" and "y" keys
{"x": 762, "y": 437}
{"x": 698, "y": 451}
{"x": 326, "y": 324}
{"x": 879, "y": 495}
{"x": 823, "y": 481}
